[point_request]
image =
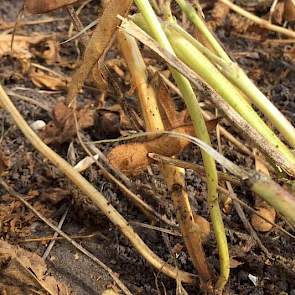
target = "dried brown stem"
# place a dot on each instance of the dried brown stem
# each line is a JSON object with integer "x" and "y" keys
{"x": 174, "y": 176}
{"x": 96, "y": 197}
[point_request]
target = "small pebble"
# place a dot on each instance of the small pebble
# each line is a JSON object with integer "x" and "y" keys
{"x": 38, "y": 125}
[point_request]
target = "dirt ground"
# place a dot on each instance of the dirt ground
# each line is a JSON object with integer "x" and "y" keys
{"x": 272, "y": 68}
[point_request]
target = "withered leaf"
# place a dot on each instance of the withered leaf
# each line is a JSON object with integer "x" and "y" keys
{"x": 132, "y": 158}
{"x": 26, "y": 272}
{"x": 63, "y": 128}
{"x": 261, "y": 206}
{"x": 47, "y": 81}
{"x": 21, "y": 47}
{"x": 42, "y": 6}
{"x": 289, "y": 11}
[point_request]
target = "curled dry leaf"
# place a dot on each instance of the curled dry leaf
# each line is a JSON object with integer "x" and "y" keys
{"x": 204, "y": 226}
{"x": 21, "y": 47}
{"x": 47, "y": 81}
{"x": 63, "y": 128}
{"x": 279, "y": 13}
{"x": 26, "y": 47}
{"x": 260, "y": 224}
{"x": 132, "y": 158}
{"x": 49, "y": 51}
{"x": 42, "y": 6}
{"x": 219, "y": 13}
{"x": 261, "y": 206}
{"x": 26, "y": 272}
{"x": 289, "y": 11}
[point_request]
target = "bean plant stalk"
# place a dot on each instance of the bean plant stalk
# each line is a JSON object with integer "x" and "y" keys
{"x": 234, "y": 73}
{"x": 201, "y": 131}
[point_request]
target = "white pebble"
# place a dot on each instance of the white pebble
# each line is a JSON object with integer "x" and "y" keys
{"x": 38, "y": 125}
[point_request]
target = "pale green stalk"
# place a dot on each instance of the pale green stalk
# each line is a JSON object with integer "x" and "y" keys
{"x": 194, "y": 17}
{"x": 207, "y": 71}
{"x": 194, "y": 109}
{"x": 238, "y": 77}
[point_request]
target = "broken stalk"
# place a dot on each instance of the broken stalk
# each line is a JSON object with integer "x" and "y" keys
{"x": 174, "y": 176}
{"x": 201, "y": 131}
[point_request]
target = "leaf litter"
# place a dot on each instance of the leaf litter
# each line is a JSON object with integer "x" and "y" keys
{"x": 111, "y": 120}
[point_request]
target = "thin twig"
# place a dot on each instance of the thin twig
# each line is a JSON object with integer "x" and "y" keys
{"x": 74, "y": 237}
{"x": 261, "y": 22}
{"x": 55, "y": 235}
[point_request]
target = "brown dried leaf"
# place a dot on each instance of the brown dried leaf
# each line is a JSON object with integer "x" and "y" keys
{"x": 169, "y": 114}
{"x": 133, "y": 158}
{"x": 240, "y": 23}
{"x": 54, "y": 195}
{"x": 235, "y": 263}
{"x": 289, "y": 11}
{"x": 108, "y": 123}
{"x": 289, "y": 53}
{"x": 260, "y": 224}
{"x": 27, "y": 272}
{"x": 51, "y": 53}
{"x": 99, "y": 42}
{"x": 203, "y": 225}
{"x": 219, "y": 13}
{"x": 21, "y": 46}
{"x": 47, "y": 81}
{"x": 42, "y": 6}
{"x": 63, "y": 127}
{"x": 261, "y": 206}
{"x": 279, "y": 12}
{"x": 4, "y": 162}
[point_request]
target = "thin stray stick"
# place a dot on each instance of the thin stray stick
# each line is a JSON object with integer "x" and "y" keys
{"x": 21, "y": 198}
{"x": 55, "y": 235}
{"x": 261, "y": 22}
{"x": 75, "y": 237}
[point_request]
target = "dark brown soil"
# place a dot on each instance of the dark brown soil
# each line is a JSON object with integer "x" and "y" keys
{"x": 30, "y": 174}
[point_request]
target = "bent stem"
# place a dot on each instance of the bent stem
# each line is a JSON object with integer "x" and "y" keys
{"x": 201, "y": 131}
{"x": 174, "y": 176}
{"x": 96, "y": 197}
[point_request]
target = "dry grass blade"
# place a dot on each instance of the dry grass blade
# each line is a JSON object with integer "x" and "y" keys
{"x": 99, "y": 42}
{"x": 261, "y": 22}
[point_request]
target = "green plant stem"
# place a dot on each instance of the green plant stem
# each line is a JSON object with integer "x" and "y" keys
{"x": 201, "y": 131}
{"x": 174, "y": 176}
{"x": 194, "y": 17}
{"x": 191, "y": 56}
{"x": 238, "y": 77}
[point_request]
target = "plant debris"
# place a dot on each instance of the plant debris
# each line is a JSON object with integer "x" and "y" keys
{"x": 23, "y": 272}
